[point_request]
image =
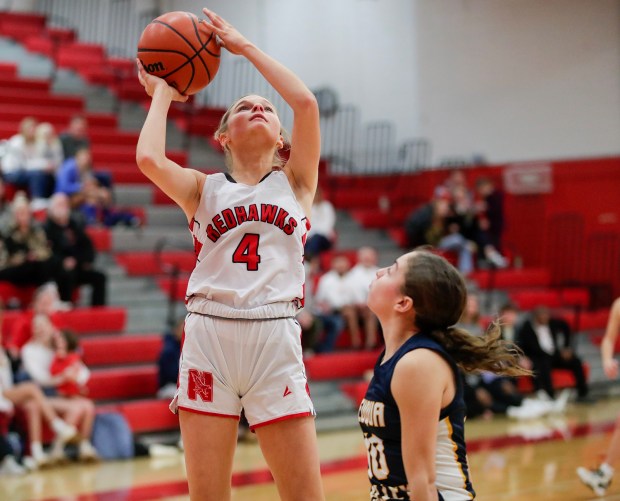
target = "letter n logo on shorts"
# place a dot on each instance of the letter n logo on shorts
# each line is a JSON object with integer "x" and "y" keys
{"x": 200, "y": 384}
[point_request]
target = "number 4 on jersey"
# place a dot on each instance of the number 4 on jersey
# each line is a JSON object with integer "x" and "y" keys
{"x": 247, "y": 251}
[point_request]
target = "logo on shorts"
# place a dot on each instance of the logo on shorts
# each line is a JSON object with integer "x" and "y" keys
{"x": 200, "y": 384}
{"x": 287, "y": 392}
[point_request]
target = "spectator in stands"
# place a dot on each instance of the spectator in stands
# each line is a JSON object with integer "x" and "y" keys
{"x": 37, "y": 407}
{"x": 509, "y": 316}
{"x": 598, "y": 479}
{"x": 435, "y": 224}
{"x": 46, "y": 301}
{"x": 425, "y": 225}
{"x": 359, "y": 279}
{"x": 490, "y": 222}
{"x": 28, "y": 257}
{"x": 168, "y": 361}
{"x": 73, "y": 252}
{"x": 332, "y": 297}
{"x": 70, "y": 175}
{"x": 95, "y": 205}
{"x": 322, "y": 225}
{"x": 37, "y": 356}
{"x": 548, "y": 343}
{"x": 75, "y": 137}
{"x": 24, "y": 166}
{"x": 49, "y": 147}
{"x": 68, "y": 360}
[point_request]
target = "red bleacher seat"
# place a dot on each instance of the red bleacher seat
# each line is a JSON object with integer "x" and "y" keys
{"x": 8, "y": 70}
{"x": 355, "y": 391}
{"x": 529, "y": 299}
{"x": 23, "y": 294}
{"x": 166, "y": 284}
{"x": 42, "y": 99}
{"x": 81, "y": 320}
{"x": 123, "y": 383}
{"x": 101, "y": 237}
{"x": 116, "y": 350}
{"x": 512, "y": 278}
{"x": 21, "y": 25}
{"x": 146, "y": 416}
{"x": 9, "y": 82}
{"x": 146, "y": 263}
{"x": 561, "y": 378}
{"x": 338, "y": 365}
{"x": 40, "y": 44}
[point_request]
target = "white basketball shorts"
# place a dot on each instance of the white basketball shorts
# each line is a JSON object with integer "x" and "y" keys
{"x": 232, "y": 364}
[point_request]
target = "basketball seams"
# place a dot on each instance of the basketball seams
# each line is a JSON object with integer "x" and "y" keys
{"x": 203, "y": 46}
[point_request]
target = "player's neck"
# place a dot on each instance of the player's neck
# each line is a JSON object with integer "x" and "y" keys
{"x": 250, "y": 168}
{"x": 396, "y": 332}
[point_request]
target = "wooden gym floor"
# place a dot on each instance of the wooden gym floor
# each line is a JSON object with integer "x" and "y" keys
{"x": 510, "y": 461}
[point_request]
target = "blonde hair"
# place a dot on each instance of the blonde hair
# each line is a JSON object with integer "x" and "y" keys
{"x": 277, "y": 162}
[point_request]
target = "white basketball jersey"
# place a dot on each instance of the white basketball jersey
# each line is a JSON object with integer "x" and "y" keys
{"x": 249, "y": 243}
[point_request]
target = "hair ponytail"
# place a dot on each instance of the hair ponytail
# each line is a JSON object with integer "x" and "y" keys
{"x": 481, "y": 353}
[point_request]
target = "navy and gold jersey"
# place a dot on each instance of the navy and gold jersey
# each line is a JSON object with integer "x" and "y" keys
{"x": 380, "y": 421}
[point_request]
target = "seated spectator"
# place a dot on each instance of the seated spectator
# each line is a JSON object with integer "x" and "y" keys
{"x": 425, "y": 225}
{"x": 37, "y": 407}
{"x": 28, "y": 257}
{"x": 435, "y": 224}
{"x": 67, "y": 360}
{"x": 168, "y": 361}
{"x": 73, "y": 252}
{"x": 70, "y": 175}
{"x": 75, "y": 137}
{"x": 96, "y": 206}
{"x": 547, "y": 342}
{"x": 50, "y": 148}
{"x": 46, "y": 301}
{"x": 490, "y": 222}
{"x": 37, "y": 356}
{"x": 24, "y": 166}
{"x": 332, "y": 297}
{"x": 322, "y": 226}
{"x": 359, "y": 279}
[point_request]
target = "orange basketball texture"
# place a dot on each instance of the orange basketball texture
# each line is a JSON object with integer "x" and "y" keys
{"x": 177, "y": 47}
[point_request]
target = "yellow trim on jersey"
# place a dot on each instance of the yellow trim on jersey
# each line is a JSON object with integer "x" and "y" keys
{"x": 455, "y": 448}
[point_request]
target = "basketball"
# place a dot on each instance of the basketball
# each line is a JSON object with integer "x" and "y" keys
{"x": 183, "y": 51}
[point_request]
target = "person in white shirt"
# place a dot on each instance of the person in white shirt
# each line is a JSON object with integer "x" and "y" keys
{"x": 37, "y": 356}
{"x": 359, "y": 280}
{"x": 322, "y": 232}
{"x": 25, "y": 166}
{"x": 36, "y": 405}
{"x": 331, "y": 302}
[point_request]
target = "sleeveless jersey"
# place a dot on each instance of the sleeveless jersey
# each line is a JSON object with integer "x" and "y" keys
{"x": 379, "y": 419}
{"x": 249, "y": 243}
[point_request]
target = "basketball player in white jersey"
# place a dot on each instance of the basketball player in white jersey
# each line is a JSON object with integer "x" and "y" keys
{"x": 242, "y": 345}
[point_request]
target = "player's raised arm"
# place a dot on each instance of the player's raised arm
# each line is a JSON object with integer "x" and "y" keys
{"x": 302, "y": 167}
{"x": 182, "y": 185}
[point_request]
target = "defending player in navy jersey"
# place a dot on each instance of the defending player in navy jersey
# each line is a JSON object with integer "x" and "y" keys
{"x": 242, "y": 346}
{"x": 413, "y": 414}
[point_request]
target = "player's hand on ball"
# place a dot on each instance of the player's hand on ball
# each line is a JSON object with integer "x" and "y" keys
{"x": 230, "y": 38}
{"x": 151, "y": 83}
{"x": 610, "y": 367}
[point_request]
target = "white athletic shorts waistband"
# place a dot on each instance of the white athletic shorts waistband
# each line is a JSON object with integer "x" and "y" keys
{"x": 203, "y": 306}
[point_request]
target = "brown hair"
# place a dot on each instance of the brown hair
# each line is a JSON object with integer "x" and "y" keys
{"x": 277, "y": 162}
{"x": 439, "y": 295}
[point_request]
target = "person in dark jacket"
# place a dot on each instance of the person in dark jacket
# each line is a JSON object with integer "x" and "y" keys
{"x": 547, "y": 342}
{"x": 168, "y": 362}
{"x": 73, "y": 251}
